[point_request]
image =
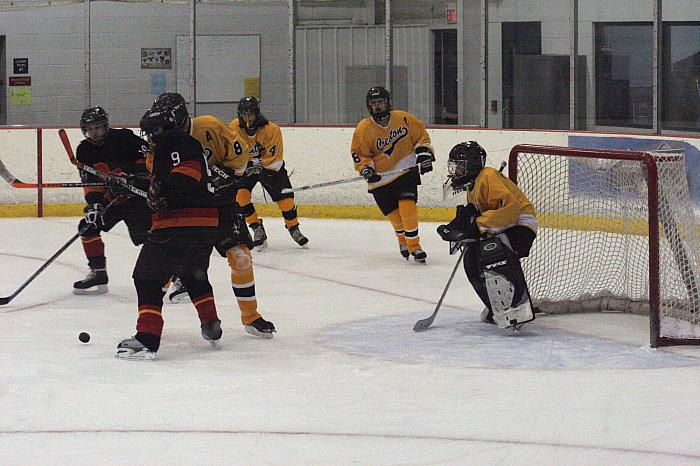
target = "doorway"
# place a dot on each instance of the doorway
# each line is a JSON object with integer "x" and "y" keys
{"x": 3, "y": 83}
{"x": 445, "y": 65}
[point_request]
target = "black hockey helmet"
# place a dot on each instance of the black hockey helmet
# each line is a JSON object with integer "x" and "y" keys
{"x": 176, "y": 104}
{"x": 246, "y": 106}
{"x": 94, "y": 116}
{"x": 464, "y": 163}
{"x": 378, "y": 103}
{"x": 159, "y": 120}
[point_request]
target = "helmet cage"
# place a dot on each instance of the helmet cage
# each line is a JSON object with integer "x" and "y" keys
{"x": 375, "y": 95}
{"x": 465, "y": 162}
{"x": 94, "y": 116}
{"x": 247, "y": 105}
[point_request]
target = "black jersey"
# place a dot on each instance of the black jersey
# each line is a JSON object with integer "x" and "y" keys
{"x": 122, "y": 151}
{"x": 182, "y": 178}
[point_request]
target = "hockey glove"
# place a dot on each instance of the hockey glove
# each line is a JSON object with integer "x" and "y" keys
{"x": 424, "y": 160}
{"x": 463, "y": 226}
{"x": 253, "y": 167}
{"x": 370, "y": 174}
{"x": 156, "y": 201}
{"x": 94, "y": 215}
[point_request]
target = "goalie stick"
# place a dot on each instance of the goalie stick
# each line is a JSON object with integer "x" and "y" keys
{"x": 427, "y": 322}
{"x": 15, "y": 183}
{"x": 6, "y": 299}
{"x": 103, "y": 176}
{"x": 345, "y": 180}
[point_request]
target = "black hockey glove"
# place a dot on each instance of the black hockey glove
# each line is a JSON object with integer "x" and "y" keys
{"x": 463, "y": 226}
{"x": 370, "y": 174}
{"x": 156, "y": 201}
{"x": 424, "y": 160}
{"x": 94, "y": 215}
{"x": 117, "y": 183}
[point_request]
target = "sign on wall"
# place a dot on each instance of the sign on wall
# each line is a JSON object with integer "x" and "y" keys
{"x": 159, "y": 59}
{"x": 20, "y": 65}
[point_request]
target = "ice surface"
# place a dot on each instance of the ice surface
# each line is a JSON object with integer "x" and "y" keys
{"x": 345, "y": 381}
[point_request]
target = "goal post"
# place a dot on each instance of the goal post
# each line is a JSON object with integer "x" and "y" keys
{"x": 617, "y": 232}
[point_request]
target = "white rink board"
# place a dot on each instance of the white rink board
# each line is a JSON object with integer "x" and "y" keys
{"x": 312, "y": 155}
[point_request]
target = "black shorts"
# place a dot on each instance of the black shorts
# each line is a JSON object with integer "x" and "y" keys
{"x": 404, "y": 187}
{"x": 233, "y": 230}
{"x": 175, "y": 253}
{"x": 521, "y": 239}
{"x": 134, "y": 212}
{"x": 272, "y": 181}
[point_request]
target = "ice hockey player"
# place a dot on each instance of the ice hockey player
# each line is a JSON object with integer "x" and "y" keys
{"x": 228, "y": 158}
{"x": 266, "y": 166}
{"x": 112, "y": 151}
{"x": 497, "y": 226}
{"x": 385, "y": 149}
{"x": 185, "y": 227}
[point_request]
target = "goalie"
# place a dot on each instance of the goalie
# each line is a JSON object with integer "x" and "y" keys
{"x": 497, "y": 226}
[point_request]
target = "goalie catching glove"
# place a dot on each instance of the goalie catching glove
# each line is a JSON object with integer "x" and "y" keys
{"x": 463, "y": 227}
{"x": 370, "y": 174}
{"x": 424, "y": 160}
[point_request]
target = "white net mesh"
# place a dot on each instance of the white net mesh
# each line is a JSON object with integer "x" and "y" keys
{"x": 592, "y": 249}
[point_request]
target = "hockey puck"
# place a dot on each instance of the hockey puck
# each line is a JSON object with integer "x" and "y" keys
{"x": 84, "y": 337}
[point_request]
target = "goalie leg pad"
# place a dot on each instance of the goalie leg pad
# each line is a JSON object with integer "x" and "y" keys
{"x": 505, "y": 283}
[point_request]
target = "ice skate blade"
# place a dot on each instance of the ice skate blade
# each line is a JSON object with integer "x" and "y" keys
{"x": 261, "y": 247}
{"x": 98, "y": 289}
{"x": 256, "y": 333}
{"x": 215, "y": 344}
{"x": 180, "y": 298}
{"x": 130, "y": 355}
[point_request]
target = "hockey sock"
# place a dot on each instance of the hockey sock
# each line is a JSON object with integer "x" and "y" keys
{"x": 395, "y": 219}
{"x": 244, "y": 199}
{"x": 94, "y": 251}
{"x": 201, "y": 294}
{"x": 243, "y": 282}
{"x": 150, "y": 320}
{"x": 409, "y": 219}
{"x": 289, "y": 212}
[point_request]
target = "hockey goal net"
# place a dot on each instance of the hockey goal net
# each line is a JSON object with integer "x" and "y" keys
{"x": 617, "y": 232}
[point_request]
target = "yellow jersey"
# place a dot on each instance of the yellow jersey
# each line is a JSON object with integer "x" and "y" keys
{"x": 388, "y": 148}
{"x": 222, "y": 146}
{"x": 266, "y": 144}
{"x": 501, "y": 202}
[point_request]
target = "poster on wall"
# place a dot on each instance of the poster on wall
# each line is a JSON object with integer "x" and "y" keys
{"x": 20, "y": 65}
{"x": 21, "y": 95}
{"x": 158, "y": 59}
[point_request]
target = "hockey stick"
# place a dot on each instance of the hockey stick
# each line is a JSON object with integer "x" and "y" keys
{"x": 87, "y": 168}
{"x": 344, "y": 180}
{"x": 427, "y": 322}
{"x": 15, "y": 183}
{"x": 7, "y": 299}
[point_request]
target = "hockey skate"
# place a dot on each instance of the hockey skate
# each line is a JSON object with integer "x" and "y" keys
{"x": 179, "y": 293}
{"x": 297, "y": 236}
{"x": 403, "y": 249}
{"x": 134, "y": 350}
{"x": 259, "y": 235}
{"x": 419, "y": 256}
{"x": 486, "y": 316}
{"x": 94, "y": 283}
{"x": 211, "y": 331}
{"x": 260, "y": 328}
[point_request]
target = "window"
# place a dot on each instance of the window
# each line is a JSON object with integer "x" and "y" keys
{"x": 681, "y": 83}
{"x": 624, "y": 74}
